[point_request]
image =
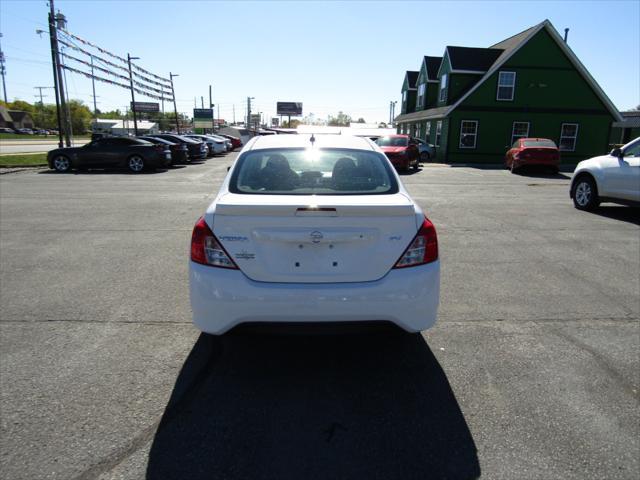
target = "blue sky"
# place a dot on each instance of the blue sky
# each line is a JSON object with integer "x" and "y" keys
{"x": 336, "y": 55}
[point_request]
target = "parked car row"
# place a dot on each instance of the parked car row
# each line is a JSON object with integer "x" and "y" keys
{"x": 28, "y": 131}
{"x": 138, "y": 153}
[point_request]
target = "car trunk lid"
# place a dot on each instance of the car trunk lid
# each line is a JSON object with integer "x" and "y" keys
{"x": 283, "y": 238}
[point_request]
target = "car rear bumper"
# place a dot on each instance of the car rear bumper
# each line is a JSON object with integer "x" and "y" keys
{"x": 222, "y": 299}
{"x": 537, "y": 161}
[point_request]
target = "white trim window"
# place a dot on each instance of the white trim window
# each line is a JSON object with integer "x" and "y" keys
{"x": 443, "y": 87}
{"x": 427, "y": 132}
{"x": 519, "y": 130}
{"x": 568, "y": 137}
{"x": 418, "y": 130}
{"x": 421, "y": 89}
{"x": 468, "y": 133}
{"x": 438, "y": 132}
{"x": 506, "y": 86}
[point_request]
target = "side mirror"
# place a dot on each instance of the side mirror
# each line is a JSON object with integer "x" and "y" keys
{"x": 616, "y": 152}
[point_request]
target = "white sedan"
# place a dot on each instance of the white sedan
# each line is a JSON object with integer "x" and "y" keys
{"x": 313, "y": 229}
{"x": 609, "y": 178}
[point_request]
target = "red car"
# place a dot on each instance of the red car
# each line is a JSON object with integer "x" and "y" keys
{"x": 533, "y": 151}
{"x": 400, "y": 150}
{"x": 235, "y": 141}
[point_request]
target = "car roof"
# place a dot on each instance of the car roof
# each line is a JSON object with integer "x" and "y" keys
{"x": 304, "y": 141}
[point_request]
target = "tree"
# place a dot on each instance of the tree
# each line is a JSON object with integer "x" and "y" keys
{"x": 341, "y": 120}
{"x": 294, "y": 124}
{"x": 361, "y": 120}
{"x": 80, "y": 116}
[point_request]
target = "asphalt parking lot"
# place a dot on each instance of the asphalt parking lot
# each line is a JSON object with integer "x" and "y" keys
{"x": 532, "y": 371}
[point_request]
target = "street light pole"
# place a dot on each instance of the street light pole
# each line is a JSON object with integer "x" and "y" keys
{"x": 173, "y": 94}
{"x": 133, "y": 99}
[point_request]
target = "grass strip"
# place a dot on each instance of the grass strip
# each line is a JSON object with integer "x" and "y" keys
{"x": 23, "y": 160}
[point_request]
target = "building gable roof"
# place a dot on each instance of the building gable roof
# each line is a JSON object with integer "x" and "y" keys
{"x": 432, "y": 65}
{"x": 512, "y": 44}
{"x": 472, "y": 59}
{"x": 19, "y": 116}
{"x": 507, "y": 48}
{"x": 410, "y": 79}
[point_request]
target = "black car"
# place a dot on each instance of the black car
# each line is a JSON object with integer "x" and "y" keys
{"x": 133, "y": 153}
{"x": 179, "y": 151}
{"x": 197, "y": 150}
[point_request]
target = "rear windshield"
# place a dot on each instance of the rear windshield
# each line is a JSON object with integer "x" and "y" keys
{"x": 392, "y": 141}
{"x": 298, "y": 171}
{"x": 539, "y": 143}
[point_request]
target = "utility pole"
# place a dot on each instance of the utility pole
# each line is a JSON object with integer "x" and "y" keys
{"x": 41, "y": 103}
{"x": 234, "y": 113}
{"x": 61, "y": 23}
{"x": 201, "y": 102}
{"x": 133, "y": 99}
{"x": 40, "y": 94}
{"x": 173, "y": 94}
{"x": 93, "y": 86}
{"x": 3, "y": 72}
{"x": 55, "y": 62}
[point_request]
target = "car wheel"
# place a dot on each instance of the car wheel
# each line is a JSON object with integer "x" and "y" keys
{"x": 135, "y": 163}
{"x": 61, "y": 164}
{"x": 424, "y": 157}
{"x": 513, "y": 167}
{"x": 585, "y": 194}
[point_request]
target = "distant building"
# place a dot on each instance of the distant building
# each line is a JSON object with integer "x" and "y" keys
{"x": 15, "y": 119}
{"x": 122, "y": 127}
{"x": 626, "y": 130}
{"x": 474, "y": 103}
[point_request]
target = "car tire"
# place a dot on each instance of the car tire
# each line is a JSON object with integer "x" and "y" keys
{"x": 425, "y": 157}
{"x": 416, "y": 165}
{"x": 135, "y": 163}
{"x": 585, "y": 194}
{"x": 513, "y": 168}
{"x": 61, "y": 164}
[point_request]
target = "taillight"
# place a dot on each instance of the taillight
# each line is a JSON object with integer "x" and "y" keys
{"x": 206, "y": 249}
{"x": 423, "y": 249}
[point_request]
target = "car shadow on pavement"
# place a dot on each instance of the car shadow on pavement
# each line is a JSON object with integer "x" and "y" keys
{"x": 622, "y": 213}
{"x": 365, "y": 406}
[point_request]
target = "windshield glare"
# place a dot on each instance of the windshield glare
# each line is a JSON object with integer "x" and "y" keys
{"x": 392, "y": 141}
{"x": 313, "y": 171}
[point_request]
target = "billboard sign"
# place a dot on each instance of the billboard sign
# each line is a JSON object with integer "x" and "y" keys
{"x": 203, "y": 117}
{"x": 255, "y": 118}
{"x": 289, "y": 108}
{"x": 147, "y": 107}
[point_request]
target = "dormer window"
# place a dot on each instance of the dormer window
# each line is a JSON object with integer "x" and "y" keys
{"x": 506, "y": 86}
{"x": 443, "y": 87}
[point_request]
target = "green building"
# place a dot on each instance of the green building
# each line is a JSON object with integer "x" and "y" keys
{"x": 473, "y": 103}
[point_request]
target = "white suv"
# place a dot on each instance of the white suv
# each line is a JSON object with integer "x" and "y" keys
{"x": 609, "y": 178}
